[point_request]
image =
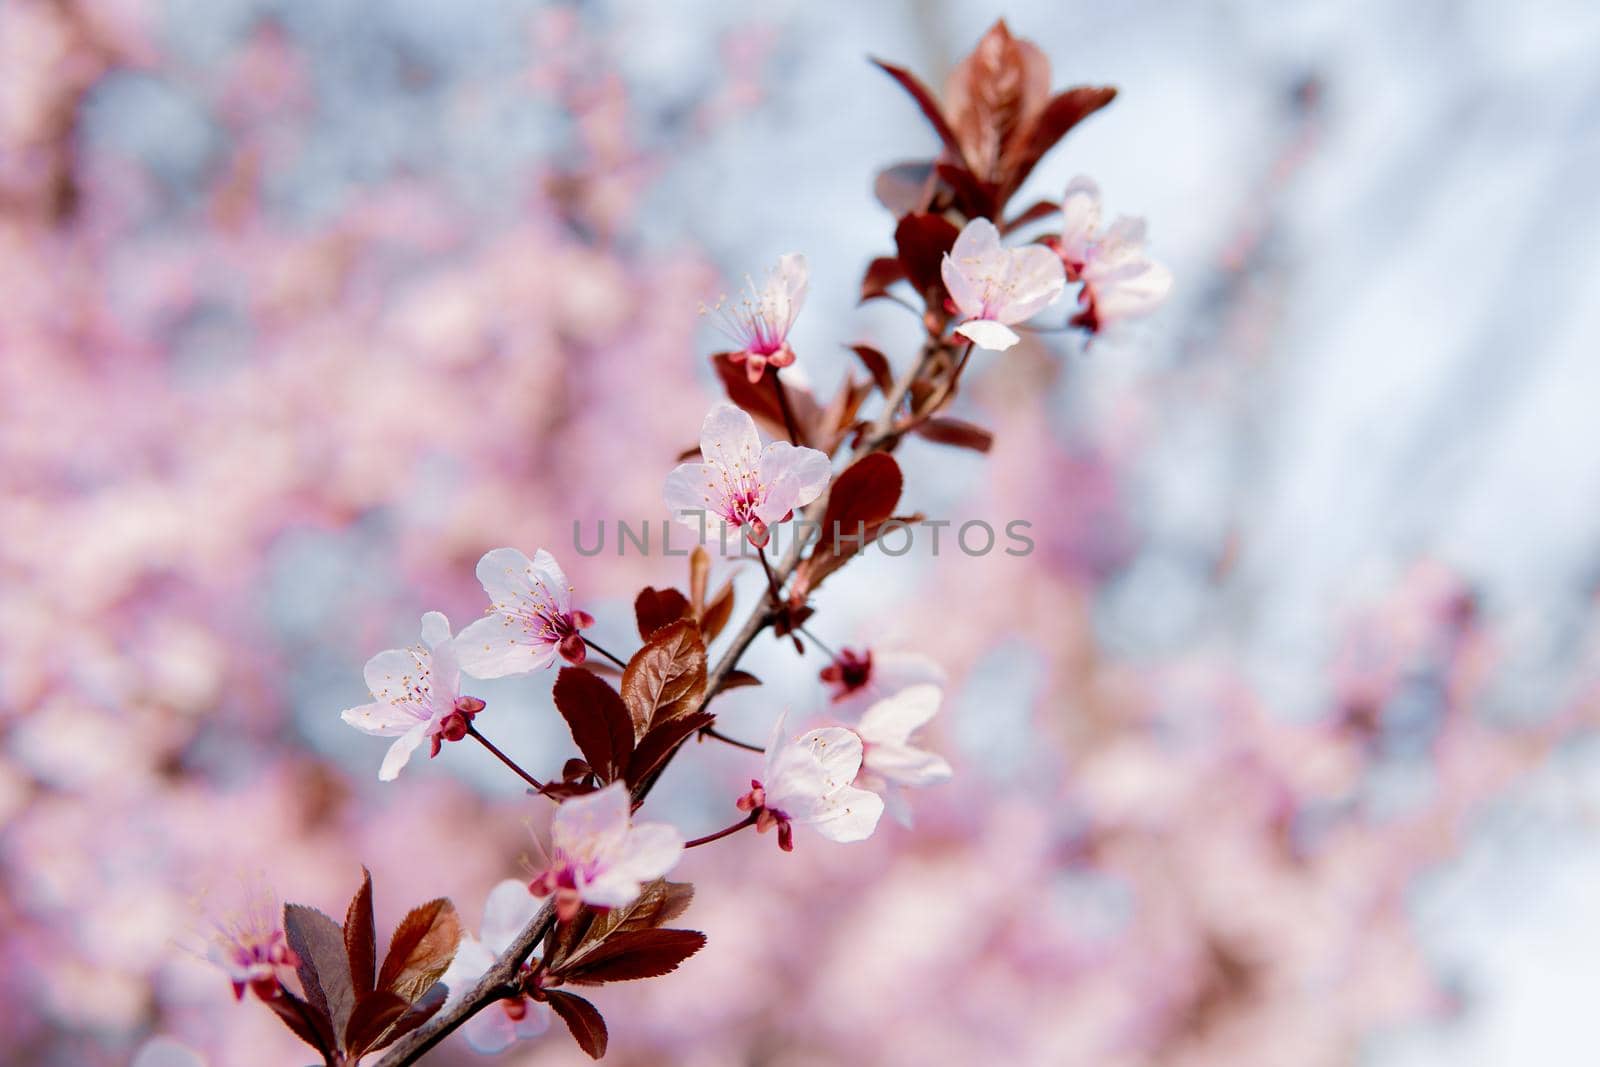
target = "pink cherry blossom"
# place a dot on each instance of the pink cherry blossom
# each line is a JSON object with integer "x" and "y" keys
{"x": 997, "y": 287}
{"x": 861, "y": 679}
{"x": 530, "y": 618}
{"x": 759, "y": 324}
{"x": 1120, "y": 280}
{"x": 889, "y": 761}
{"x": 417, "y": 697}
{"x": 508, "y": 910}
{"x": 807, "y": 779}
{"x": 599, "y": 856}
{"x": 741, "y": 484}
{"x": 251, "y": 947}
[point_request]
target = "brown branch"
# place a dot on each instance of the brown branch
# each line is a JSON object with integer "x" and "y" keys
{"x": 500, "y": 981}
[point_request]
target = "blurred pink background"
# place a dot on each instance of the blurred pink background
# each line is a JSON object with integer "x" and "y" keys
{"x": 1264, "y": 757}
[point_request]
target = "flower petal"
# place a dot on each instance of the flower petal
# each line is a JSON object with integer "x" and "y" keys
{"x": 728, "y": 439}
{"x": 904, "y": 765}
{"x": 399, "y": 753}
{"x": 988, "y": 334}
{"x": 381, "y": 719}
{"x": 850, "y": 814}
{"x": 808, "y": 470}
{"x": 496, "y": 646}
{"x": 893, "y": 720}
{"x": 471, "y": 962}
{"x": 1034, "y": 279}
{"x": 490, "y": 1030}
{"x": 393, "y": 673}
{"x": 435, "y": 629}
{"x": 692, "y": 488}
{"x": 593, "y": 824}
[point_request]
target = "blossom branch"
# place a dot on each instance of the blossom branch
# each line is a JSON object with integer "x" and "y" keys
{"x": 472, "y": 731}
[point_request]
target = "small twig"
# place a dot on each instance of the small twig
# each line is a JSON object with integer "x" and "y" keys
{"x": 472, "y": 731}
{"x": 604, "y": 653}
{"x": 711, "y": 731}
{"x": 748, "y": 820}
{"x": 773, "y": 585}
{"x": 815, "y": 640}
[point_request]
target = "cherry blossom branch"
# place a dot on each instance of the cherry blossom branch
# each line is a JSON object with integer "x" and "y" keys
{"x": 815, "y": 640}
{"x": 500, "y": 981}
{"x": 472, "y": 731}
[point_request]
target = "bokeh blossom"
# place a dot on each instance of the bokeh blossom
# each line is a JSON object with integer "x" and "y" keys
{"x": 251, "y": 948}
{"x": 1120, "y": 280}
{"x": 508, "y": 909}
{"x": 740, "y": 484}
{"x": 600, "y": 856}
{"x": 861, "y": 678}
{"x": 889, "y": 761}
{"x": 531, "y": 618}
{"x": 995, "y": 287}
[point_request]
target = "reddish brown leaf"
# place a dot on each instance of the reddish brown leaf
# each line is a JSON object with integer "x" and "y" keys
{"x": 324, "y": 971}
{"x": 761, "y": 400}
{"x": 947, "y": 431}
{"x": 598, "y": 720}
{"x": 657, "y": 745}
{"x": 905, "y": 187}
{"x": 1043, "y": 209}
{"x": 422, "y": 947}
{"x": 421, "y": 1011}
{"x": 976, "y": 197}
{"x": 666, "y": 678}
{"x": 925, "y": 100}
{"x": 737, "y": 679}
{"x": 863, "y": 495}
{"x": 372, "y": 1019}
{"x": 654, "y": 608}
{"x": 1064, "y": 111}
{"x": 360, "y": 938}
{"x": 699, "y": 576}
{"x": 587, "y": 1025}
{"x": 881, "y": 273}
{"x": 718, "y": 612}
{"x": 922, "y": 240}
{"x": 877, "y": 365}
{"x": 299, "y": 1017}
{"x": 992, "y": 95}
{"x": 632, "y": 954}
{"x": 657, "y": 904}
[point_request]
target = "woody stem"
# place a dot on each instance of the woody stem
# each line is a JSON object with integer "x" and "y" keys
{"x": 748, "y": 820}
{"x": 783, "y": 406}
{"x": 604, "y": 653}
{"x": 472, "y": 731}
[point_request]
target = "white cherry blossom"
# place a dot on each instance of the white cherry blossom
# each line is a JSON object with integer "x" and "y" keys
{"x": 599, "y": 856}
{"x": 509, "y": 909}
{"x": 1120, "y": 280}
{"x": 996, "y": 287}
{"x": 890, "y": 761}
{"x": 760, "y": 322}
{"x": 530, "y": 621}
{"x": 807, "y": 780}
{"x": 416, "y": 696}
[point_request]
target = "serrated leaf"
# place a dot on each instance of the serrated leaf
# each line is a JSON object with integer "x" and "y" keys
{"x": 375, "y": 1014}
{"x": 421, "y": 1011}
{"x": 665, "y": 679}
{"x": 961, "y": 434}
{"x": 1064, "y": 111}
{"x": 657, "y": 746}
{"x": 598, "y": 719}
{"x": 925, "y": 101}
{"x": 582, "y": 1018}
{"x": 422, "y": 947}
{"x": 655, "y": 608}
{"x": 299, "y": 1017}
{"x": 360, "y": 944}
{"x": 632, "y": 954}
{"x": 324, "y": 971}
{"x": 658, "y": 903}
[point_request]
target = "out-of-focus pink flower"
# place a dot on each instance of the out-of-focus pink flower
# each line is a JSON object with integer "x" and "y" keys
{"x": 251, "y": 947}
{"x": 1120, "y": 280}
{"x": 741, "y": 484}
{"x": 509, "y": 909}
{"x": 861, "y": 679}
{"x": 417, "y": 695}
{"x": 997, "y": 287}
{"x": 889, "y": 761}
{"x": 807, "y": 780}
{"x": 760, "y": 322}
{"x": 599, "y": 856}
{"x": 530, "y": 617}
